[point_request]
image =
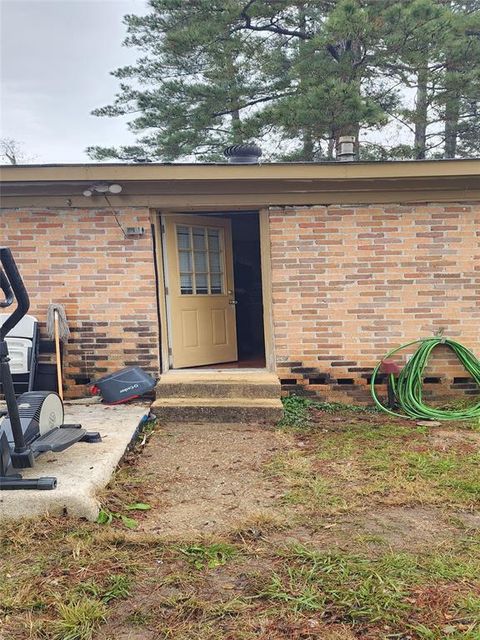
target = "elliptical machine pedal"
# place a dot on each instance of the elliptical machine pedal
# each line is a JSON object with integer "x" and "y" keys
{"x": 34, "y": 423}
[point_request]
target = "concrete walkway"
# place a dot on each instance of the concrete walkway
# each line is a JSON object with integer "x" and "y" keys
{"x": 81, "y": 470}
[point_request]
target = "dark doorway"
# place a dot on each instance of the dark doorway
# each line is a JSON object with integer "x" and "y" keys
{"x": 248, "y": 288}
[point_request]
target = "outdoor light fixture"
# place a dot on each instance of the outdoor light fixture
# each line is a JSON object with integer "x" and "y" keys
{"x": 102, "y": 188}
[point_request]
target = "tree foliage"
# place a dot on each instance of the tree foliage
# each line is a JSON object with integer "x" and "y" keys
{"x": 12, "y": 152}
{"x": 295, "y": 75}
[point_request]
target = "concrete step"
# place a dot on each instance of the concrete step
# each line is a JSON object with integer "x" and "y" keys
{"x": 218, "y": 385}
{"x": 218, "y": 409}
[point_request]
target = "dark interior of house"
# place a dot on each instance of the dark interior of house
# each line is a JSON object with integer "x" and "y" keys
{"x": 248, "y": 289}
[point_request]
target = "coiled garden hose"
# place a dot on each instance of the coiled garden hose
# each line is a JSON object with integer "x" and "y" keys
{"x": 407, "y": 387}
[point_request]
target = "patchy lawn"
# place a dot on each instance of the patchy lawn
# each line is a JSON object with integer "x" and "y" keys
{"x": 341, "y": 524}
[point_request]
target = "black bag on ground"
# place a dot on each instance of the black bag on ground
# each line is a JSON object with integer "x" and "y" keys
{"x": 124, "y": 385}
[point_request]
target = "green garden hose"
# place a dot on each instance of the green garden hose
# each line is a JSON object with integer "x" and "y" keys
{"x": 408, "y": 386}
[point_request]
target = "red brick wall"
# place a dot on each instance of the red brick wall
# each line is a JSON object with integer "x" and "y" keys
{"x": 352, "y": 282}
{"x": 349, "y": 282}
{"x": 81, "y": 259}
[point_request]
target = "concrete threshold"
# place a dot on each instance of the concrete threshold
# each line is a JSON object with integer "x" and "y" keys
{"x": 81, "y": 471}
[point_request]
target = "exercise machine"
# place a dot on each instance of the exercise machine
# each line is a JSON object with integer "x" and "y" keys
{"x": 23, "y": 348}
{"x": 34, "y": 423}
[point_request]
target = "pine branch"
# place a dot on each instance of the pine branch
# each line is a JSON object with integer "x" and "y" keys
{"x": 272, "y": 26}
{"x": 253, "y": 102}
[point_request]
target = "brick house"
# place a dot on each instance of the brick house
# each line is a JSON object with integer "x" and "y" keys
{"x": 309, "y": 271}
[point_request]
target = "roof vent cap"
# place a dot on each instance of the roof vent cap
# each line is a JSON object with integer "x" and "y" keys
{"x": 243, "y": 154}
{"x": 346, "y": 149}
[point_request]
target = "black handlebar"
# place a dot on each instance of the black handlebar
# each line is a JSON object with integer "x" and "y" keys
{"x": 12, "y": 285}
{"x": 7, "y": 291}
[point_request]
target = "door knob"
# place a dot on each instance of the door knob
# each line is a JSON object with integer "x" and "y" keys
{"x": 233, "y": 302}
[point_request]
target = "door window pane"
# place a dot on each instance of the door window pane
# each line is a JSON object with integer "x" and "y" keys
{"x": 186, "y": 283}
{"x": 183, "y": 237}
{"x": 185, "y": 261}
{"x": 201, "y": 283}
{"x": 199, "y": 239}
{"x": 215, "y": 263}
{"x": 214, "y": 240}
{"x": 216, "y": 283}
{"x": 200, "y": 261}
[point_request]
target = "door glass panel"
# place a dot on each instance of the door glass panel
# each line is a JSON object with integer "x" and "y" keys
{"x": 199, "y": 239}
{"x": 200, "y": 261}
{"x": 215, "y": 263}
{"x": 216, "y": 283}
{"x": 214, "y": 240}
{"x": 183, "y": 237}
{"x": 185, "y": 261}
{"x": 201, "y": 283}
{"x": 186, "y": 283}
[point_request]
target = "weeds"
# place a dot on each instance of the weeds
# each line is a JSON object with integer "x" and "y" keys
{"x": 118, "y": 586}
{"x": 78, "y": 620}
{"x": 208, "y": 556}
{"x": 337, "y": 407}
{"x": 361, "y": 589}
{"x": 297, "y": 411}
{"x": 105, "y": 516}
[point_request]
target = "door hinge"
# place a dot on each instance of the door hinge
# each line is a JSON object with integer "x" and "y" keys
{"x": 162, "y": 228}
{"x": 166, "y": 291}
{"x": 170, "y": 353}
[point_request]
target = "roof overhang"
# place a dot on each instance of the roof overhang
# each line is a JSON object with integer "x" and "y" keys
{"x": 201, "y": 186}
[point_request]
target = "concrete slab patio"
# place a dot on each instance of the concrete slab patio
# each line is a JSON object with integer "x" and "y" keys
{"x": 83, "y": 469}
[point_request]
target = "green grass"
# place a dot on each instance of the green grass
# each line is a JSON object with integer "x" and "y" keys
{"x": 451, "y": 473}
{"x": 469, "y": 606}
{"x": 297, "y": 410}
{"x": 391, "y": 459}
{"x": 304, "y": 486}
{"x": 64, "y": 579}
{"x": 117, "y": 586}
{"x": 351, "y": 586}
{"x": 78, "y": 620}
{"x": 428, "y": 476}
{"x": 373, "y": 590}
{"x": 208, "y": 556}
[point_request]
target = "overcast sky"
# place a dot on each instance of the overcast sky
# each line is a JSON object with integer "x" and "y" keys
{"x": 56, "y": 56}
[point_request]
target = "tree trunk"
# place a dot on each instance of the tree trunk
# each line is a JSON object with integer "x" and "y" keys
{"x": 237, "y": 135}
{"x": 421, "y": 114}
{"x": 452, "y": 114}
{"x": 356, "y": 147}
{"x": 451, "y": 127}
{"x": 332, "y": 141}
{"x": 307, "y": 153}
{"x": 307, "y": 139}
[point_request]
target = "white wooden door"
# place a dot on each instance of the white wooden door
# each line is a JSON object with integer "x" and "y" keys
{"x": 200, "y": 286}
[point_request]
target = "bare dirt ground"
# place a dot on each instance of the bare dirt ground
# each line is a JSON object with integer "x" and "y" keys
{"x": 207, "y": 481}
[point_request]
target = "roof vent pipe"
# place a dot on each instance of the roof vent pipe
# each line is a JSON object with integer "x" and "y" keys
{"x": 243, "y": 154}
{"x": 346, "y": 149}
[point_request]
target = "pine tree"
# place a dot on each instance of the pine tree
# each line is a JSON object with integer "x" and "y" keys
{"x": 458, "y": 98}
{"x": 431, "y": 50}
{"x": 295, "y": 75}
{"x": 189, "y": 89}
{"x": 332, "y": 85}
